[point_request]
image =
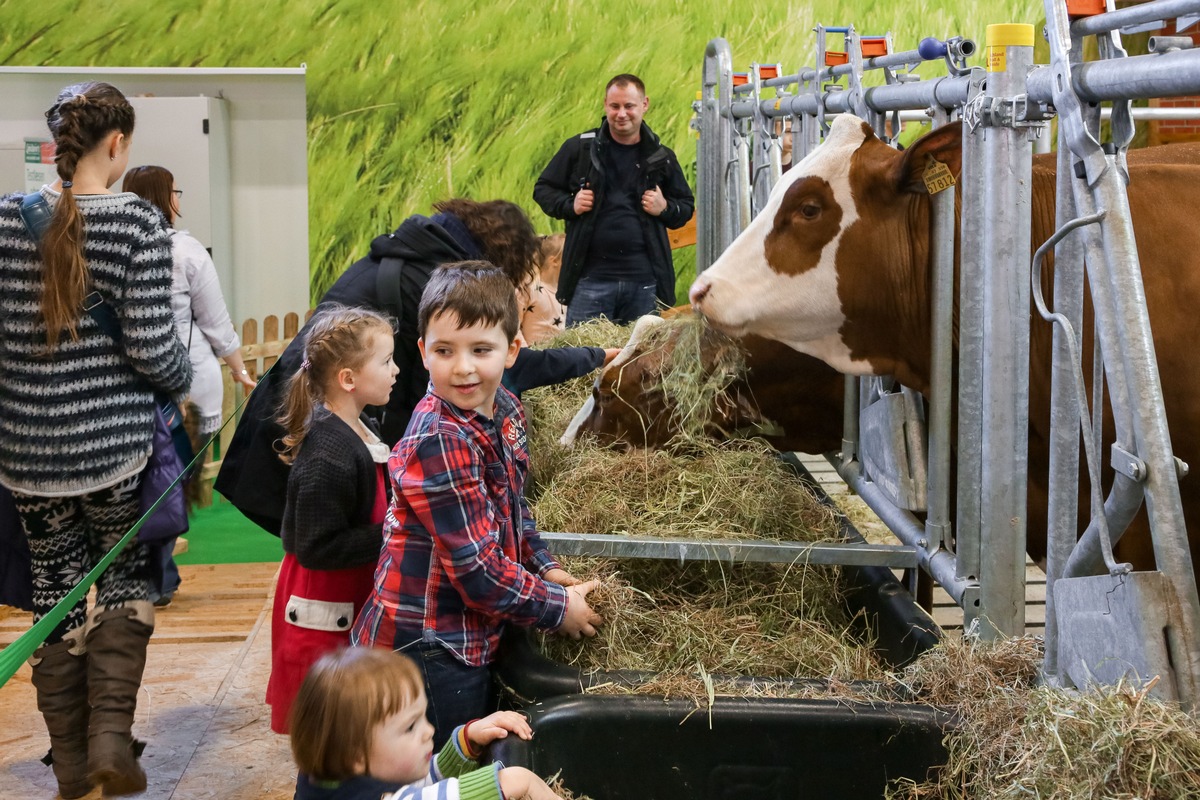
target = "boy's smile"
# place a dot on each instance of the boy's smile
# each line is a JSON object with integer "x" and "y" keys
{"x": 466, "y": 364}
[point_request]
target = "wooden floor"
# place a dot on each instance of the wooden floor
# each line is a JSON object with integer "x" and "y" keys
{"x": 201, "y": 709}
{"x": 945, "y": 612}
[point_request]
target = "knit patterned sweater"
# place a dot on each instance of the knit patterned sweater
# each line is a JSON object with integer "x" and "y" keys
{"x": 80, "y": 418}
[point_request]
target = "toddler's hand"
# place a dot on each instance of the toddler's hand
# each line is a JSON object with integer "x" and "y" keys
{"x": 482, "y": 732}
{"x": 580, "y": 619}
{"x": 518, "y": 782}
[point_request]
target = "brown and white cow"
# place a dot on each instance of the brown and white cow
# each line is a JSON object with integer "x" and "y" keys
{"x": 838, "y": 266}
{"x": 792, "y": 400}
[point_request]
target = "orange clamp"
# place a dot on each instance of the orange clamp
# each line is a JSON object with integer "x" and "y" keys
{"x": 1085, "y": 8}
{"x": 875, "y": 46}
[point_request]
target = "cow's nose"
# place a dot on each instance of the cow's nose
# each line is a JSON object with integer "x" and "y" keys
{"x": 698, "y": 292}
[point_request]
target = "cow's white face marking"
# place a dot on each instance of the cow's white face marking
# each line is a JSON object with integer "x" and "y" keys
{"x": 743, "y": 294}
{"x": 643, "y": 325}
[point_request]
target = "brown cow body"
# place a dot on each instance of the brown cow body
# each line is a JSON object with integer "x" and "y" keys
{"x": 838, "y": 266}
{"x": 792, "y": 400}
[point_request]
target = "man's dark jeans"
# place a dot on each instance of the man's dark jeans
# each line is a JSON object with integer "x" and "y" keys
{"x": 621, "y": 301}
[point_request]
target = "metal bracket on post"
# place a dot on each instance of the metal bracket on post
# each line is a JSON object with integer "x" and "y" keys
{"x": 1070, "y": 113}
{"x": 1127, "y": 464}
{"x": 1121, "y": 122}
{"x": 818, "y": 88}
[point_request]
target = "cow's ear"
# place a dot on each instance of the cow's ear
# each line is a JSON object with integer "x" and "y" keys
{"x": 916, "y": 164}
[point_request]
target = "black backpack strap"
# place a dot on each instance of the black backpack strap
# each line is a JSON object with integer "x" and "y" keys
{"x": 583, "y": 163}
{"x": 387, "y": 285}
{"x": 103, "y": 315}
{"x": 36, "y": 213}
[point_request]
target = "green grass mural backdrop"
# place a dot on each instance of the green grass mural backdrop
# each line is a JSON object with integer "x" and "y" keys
{"x": 412, "y": 102}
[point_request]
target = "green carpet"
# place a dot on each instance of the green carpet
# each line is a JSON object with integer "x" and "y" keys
{"x": 220, "y": 534}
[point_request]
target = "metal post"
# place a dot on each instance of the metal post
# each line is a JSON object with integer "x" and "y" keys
{"x": 970, "y": 346}
{"x": 1006, "y": 236}
{"x": 937, "y": 523}
{"x": 715, "y": 224}
{"x": 1063, "y": 500}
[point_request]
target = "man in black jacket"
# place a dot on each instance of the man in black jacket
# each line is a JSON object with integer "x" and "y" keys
{"x": 619, "y": 189}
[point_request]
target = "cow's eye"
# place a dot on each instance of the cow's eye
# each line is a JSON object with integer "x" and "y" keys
{"x": 810, "y": 210}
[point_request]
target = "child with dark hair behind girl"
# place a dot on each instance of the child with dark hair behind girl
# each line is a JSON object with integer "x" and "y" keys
{"x": 336, "y": 493}
{"x": 359, "y": 733}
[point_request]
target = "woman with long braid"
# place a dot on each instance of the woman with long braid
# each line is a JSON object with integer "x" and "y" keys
{"x": 76, "y": 420}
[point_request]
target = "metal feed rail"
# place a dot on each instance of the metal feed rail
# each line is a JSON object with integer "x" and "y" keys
{"x": 1003, "y": 113}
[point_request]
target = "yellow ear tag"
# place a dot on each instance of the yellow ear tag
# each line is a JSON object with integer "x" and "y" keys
{"x": 937, "y": 177}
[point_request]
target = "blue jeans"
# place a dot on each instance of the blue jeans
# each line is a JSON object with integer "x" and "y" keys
{"x": 167, "y": 580}
{"x": 455, "y": 692}
{"x": 621, "y": 301}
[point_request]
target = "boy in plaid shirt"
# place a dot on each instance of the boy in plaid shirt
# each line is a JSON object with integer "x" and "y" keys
{"x": 461, "y": 554}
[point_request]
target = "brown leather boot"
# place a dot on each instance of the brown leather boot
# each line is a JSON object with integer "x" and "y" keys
{"x": 116, "y": 641}
{"x": 60, "y": 677}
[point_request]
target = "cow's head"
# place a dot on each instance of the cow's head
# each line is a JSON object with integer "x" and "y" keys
{"x": 837, "y": 234}
{"x": 635, "y": 402}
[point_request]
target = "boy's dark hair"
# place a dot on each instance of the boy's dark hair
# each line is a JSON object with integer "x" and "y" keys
{"x": 476, "y": 291}
{"x": 626, "y": 79}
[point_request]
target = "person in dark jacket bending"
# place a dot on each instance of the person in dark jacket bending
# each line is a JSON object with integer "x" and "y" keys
{"x": 619, "y": 190}
{"x": 390, "y": 279}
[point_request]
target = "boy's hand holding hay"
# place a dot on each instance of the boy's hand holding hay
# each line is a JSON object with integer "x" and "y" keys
{"x": 580, "y": 620}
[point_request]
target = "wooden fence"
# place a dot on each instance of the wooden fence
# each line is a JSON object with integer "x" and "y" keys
{"x": 261, "y": 347}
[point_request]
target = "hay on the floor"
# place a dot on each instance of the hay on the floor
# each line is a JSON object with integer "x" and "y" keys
{"x": 1017, "y": 739}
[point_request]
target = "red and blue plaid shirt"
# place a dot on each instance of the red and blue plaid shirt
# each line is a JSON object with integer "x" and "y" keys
{"x": 461, "y": 553}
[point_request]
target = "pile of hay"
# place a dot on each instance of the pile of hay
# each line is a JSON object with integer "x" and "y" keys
{"x": 707, "y": 618}
{"x": 711, "y": 491}
{"x": 1018, "y": 740}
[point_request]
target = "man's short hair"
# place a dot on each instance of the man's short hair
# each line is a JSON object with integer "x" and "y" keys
{"x": 476, "y": 291}
{"x": 627, "y": 79}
